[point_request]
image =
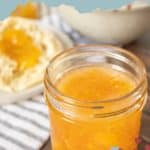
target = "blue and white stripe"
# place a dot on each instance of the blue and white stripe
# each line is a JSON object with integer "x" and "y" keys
{"x": 24, "y": 126}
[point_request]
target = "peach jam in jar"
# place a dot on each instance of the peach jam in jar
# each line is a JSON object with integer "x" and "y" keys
{"x": 95, "y": 95}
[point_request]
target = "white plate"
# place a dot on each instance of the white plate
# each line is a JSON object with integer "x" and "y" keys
{"x": 7, "y": 98}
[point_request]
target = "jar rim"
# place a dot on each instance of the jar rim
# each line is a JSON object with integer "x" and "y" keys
{"x": 70, "y": 100}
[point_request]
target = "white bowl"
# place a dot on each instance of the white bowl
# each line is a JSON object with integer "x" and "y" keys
{"x": 119, "y": 26}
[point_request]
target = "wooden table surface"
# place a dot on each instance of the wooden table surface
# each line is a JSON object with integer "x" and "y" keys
{"x": 142, "y": 49}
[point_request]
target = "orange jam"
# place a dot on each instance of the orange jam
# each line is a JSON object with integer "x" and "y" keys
{"x": 19, "y": 46}
{"x": 95, "y": 84}
{"x": 28, "y": 10}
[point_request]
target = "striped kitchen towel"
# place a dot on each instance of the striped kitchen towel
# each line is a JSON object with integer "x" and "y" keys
{"x": 25, "y": 125}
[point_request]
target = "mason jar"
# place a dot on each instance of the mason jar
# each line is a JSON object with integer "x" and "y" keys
{"x": 96, "y": 125}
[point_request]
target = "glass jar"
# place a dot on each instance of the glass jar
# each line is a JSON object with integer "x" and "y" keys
{"x": 100, "y": 125}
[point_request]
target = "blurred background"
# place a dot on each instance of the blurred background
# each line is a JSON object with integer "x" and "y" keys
{"x": 6, "y": 6}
